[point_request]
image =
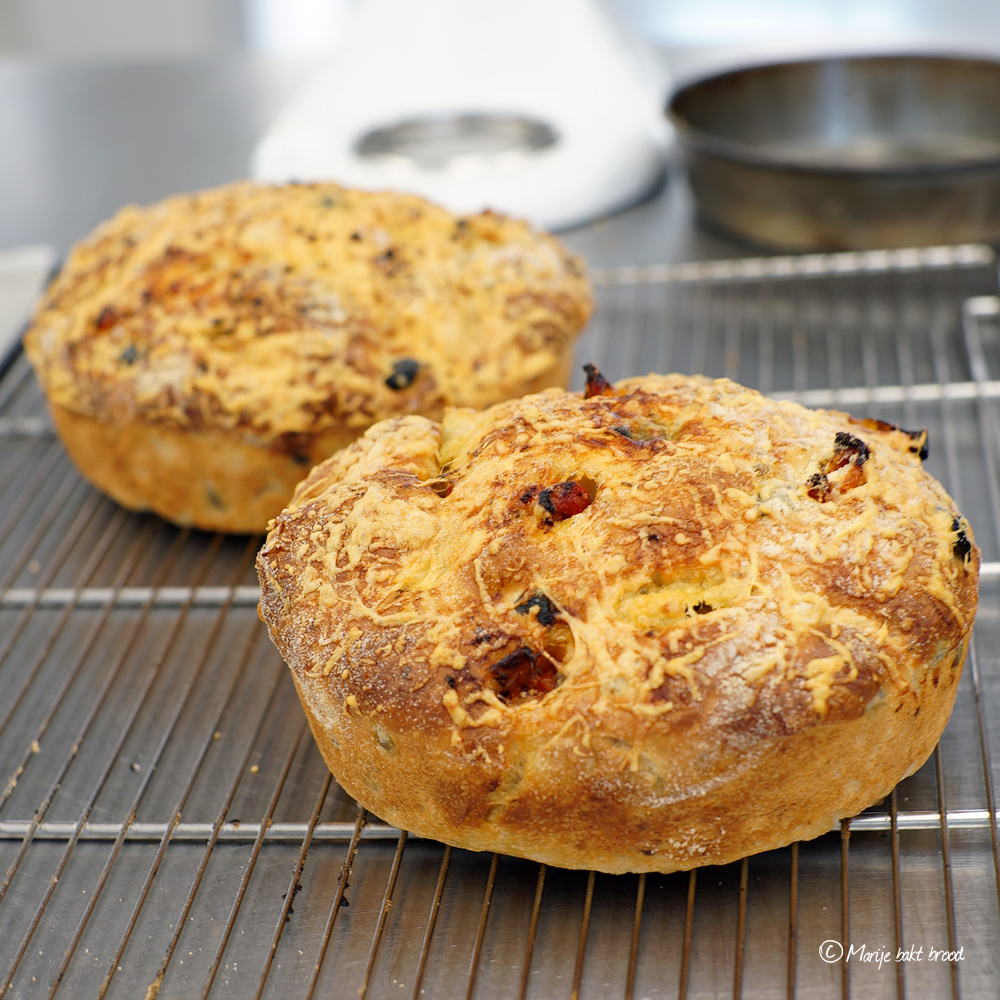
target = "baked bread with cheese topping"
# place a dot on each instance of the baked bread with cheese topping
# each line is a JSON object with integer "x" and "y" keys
{"x": 199, "y": 355}
{"x": 663, "y": 624}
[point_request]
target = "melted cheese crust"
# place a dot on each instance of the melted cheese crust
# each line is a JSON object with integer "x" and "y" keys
{"x": 724, "y": 658}
{"x": 279, "y": 312}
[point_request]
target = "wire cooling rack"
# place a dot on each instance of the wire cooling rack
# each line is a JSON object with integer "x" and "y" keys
{"x": 168, "y": 829}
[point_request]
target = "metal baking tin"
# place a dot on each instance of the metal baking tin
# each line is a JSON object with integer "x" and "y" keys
{"x": 847, "y": 153}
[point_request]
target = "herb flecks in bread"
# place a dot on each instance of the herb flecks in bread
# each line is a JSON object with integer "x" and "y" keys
{"x": 277, "y": 323}
{"x": 629, "y": 634}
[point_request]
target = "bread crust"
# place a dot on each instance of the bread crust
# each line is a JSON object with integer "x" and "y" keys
{"x": 273, "y": 320}
{"x": 744, "y": 621}
{"x": 216, "y": 479}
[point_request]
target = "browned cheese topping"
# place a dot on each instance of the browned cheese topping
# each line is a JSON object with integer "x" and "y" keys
{"x": 666, "y": 552}
{"x": 279, "y": 310}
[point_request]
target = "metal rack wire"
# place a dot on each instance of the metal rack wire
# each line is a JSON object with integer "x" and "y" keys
{"x": 168, "y": 829}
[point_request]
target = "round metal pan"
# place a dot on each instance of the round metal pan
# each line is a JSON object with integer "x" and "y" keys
{"x": 847, "y": 154}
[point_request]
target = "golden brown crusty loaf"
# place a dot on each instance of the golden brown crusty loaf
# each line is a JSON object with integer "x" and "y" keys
{"x": 200, "y": 354}
{"x": 669, "y": 625}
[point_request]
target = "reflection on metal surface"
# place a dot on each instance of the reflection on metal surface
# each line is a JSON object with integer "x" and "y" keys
{"x": 130, "y": 597}
{"x": 880, "y": 152}
{"x": 166, "y": 822}
{"x": 435, "y": 141}
{"x": 814, "y": 265}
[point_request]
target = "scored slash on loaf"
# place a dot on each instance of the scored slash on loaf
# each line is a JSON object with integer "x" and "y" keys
{"x": 657, "y": 625}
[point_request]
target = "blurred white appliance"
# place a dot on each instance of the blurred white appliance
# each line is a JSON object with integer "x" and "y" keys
{"x": 539, "y": 108}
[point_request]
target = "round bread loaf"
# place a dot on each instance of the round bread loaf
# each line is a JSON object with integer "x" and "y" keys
{"x": 199, "y": 355}
{"x": 668, "y": 625}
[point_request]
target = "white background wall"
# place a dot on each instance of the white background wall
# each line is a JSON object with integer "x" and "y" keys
{"x": 120, "y": 28}
{"x": 767, "y": 22}
{"x": 164, "y": 28}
